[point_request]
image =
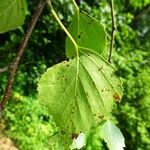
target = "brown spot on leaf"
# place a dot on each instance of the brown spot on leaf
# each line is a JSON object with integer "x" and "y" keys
{"x": 107, "y": 90}
{"x": 99, "y": 69}
{"x": 67, "y": 65}
{"x": 100, "y": 116}
{"x": 116, "y": 97}
{"x": 73, "y": 108}
{"x": 79, "y": 35}
{"x": 74, "y": 135}
{"x": 119, "y": 85}
{"x": 90, "y": 22}
{"x": 62, "y": 132}
{"x": 87, "y": 94}
{"x": 72, "y": 57}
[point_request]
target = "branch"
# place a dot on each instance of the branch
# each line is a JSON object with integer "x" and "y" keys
{"x": 23, "y": 44}
{"x": 113, "y": 30}
{"x": 4, "y": 69}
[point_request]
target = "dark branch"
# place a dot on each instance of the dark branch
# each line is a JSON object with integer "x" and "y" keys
{"x": 113, "y": 30}
{"x": 23, "y": 44}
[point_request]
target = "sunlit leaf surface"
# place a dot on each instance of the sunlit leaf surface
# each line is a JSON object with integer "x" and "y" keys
{"x": 79, "y": 93}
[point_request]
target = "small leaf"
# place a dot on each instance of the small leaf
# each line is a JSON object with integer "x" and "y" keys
{"x": 79, "y": 93}
{"x": 112, "y": 136}
{"x": 12, "y": 14}
{"x": 87, "y": 32}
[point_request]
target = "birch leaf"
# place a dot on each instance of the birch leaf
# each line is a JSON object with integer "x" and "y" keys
{"x": 79, "y": 93}
{"x": 87, "y": 32}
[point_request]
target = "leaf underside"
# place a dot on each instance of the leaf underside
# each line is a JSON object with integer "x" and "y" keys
{"x": 87, "y": 32}
{"x": 112, "y": 136}
{"x": 12, "y": 14}
{"x": 79, "y": 93}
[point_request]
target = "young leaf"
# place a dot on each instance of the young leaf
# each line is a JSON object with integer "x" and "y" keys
{"x": 87, "y": 32}
{"x": 12, "y": 14}
{"x": 79, "y": 93}
{"x": 112, "y": 136}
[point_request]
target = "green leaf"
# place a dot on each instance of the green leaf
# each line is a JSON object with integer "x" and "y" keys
{"x": 79, "y": 93}
{"x": 112, "y": 136}
{"x": 87, "y": 32}
{"x": 12, "y": 14}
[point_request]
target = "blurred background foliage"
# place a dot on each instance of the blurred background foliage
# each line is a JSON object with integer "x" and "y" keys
{"x": 29, "y": 125}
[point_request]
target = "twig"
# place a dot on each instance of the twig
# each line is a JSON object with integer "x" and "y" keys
{"x": 23, "y": 44}
{"x": 4, "y": 69}
{"x": 113, "y": 30}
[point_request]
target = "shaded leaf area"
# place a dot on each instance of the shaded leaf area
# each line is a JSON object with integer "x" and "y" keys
{"x": 113, "y": 136}
{"x": 79, "y": 93}
{"x": 12, "y": 14}
{"x": 87, "y": 32}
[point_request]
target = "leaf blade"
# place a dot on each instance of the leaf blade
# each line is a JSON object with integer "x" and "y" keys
{"x": 12, "y": 14}
{"x": 76, "y": 111}
{"x": 87, "y": 32}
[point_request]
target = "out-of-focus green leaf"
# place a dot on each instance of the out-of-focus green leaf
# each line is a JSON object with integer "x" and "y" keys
{"x": 12, "y": 14}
